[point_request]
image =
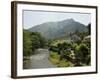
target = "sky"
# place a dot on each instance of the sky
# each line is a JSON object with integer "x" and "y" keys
{"x": 32, "y": 18}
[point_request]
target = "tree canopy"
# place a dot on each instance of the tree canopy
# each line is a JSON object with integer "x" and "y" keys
{"x": 32, "y": 41}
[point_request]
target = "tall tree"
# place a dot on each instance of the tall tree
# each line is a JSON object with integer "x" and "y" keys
{"x": 27, "y": 43}
{"x": 89, "y": 28}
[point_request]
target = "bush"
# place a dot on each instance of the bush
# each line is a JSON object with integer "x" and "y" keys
{"x": 64, "y": 63}
{"x": 54, "y": 57}
{"x": 82, "y": 53}
{"x": 53, "y": 48}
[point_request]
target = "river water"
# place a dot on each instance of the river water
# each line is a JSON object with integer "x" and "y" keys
{"x": 39, "y": 60}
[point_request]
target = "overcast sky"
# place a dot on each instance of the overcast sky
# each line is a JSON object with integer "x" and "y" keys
{"x": 32, "y": 18}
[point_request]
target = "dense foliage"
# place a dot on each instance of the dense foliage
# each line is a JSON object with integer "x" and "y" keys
{"x": 75, "y": 52}
{"x": 32, "y": 41}
{"x": 78, "y": 55}
{"x": 27, "y": 43}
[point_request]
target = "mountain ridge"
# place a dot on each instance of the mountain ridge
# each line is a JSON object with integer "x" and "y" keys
{"x": 52, "y": 30}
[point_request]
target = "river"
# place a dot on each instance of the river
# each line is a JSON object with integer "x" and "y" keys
{"x": 39, "y": 60}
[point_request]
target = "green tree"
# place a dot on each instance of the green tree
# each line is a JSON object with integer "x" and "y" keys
{"x": 37, "y": 41}
{"x": 27, "y": 43}
{"x": 32, "y": 41}
{"x": 89, "y": 29}
{"x": 82, "y": 54}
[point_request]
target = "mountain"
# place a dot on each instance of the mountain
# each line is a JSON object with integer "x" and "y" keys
{"x": 52, "y": 30}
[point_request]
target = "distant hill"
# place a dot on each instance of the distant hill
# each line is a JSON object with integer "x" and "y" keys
{"x": 53, "y": 30}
